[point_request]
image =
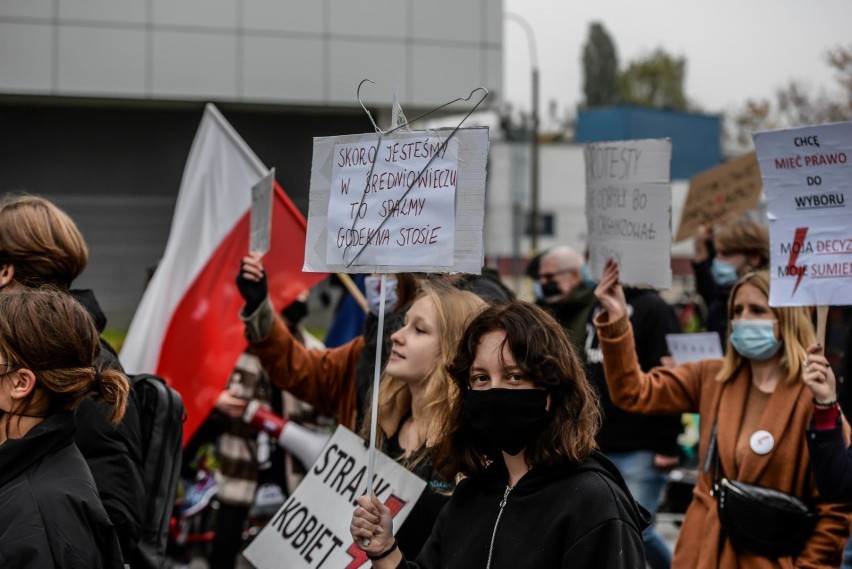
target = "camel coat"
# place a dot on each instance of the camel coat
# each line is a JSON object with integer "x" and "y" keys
{"x": 692, "y": 388}
{"x": 322, "y": 378}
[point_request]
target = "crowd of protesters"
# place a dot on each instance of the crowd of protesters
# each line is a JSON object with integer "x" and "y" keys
{"x": 544, "y": 430}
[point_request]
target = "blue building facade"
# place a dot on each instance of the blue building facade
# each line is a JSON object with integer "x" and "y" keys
{"x": 696, "y": 138}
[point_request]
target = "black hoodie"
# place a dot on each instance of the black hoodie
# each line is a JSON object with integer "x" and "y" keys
{"x": 113, "y": 453}
{"x": 578, "y": 516}
{"x": 52, "y": 517}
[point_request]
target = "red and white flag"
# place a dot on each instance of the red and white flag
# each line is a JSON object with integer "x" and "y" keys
{"x": 187, "y": 327}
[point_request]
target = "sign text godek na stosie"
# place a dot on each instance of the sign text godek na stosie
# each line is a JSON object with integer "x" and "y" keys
{"x": 404, "y": 201}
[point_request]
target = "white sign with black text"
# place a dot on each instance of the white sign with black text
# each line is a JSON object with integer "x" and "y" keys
{"x": 400, "y": 202}
{"x": 686, "y": 348}
{"x": 628, "y": 209}
{"x": 311, "y": 530}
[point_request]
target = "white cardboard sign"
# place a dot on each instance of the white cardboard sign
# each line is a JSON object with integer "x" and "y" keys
{"x": 628, "y": 209}
{"x": 686, "y": 348}
{"x": 261, "y": 213}
{"x": 311, "y": 530}
{"x": 807, "y": 177}
{"x": 399, "y": 202}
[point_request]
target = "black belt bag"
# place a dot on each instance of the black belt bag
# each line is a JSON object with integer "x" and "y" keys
{"x": 758, "y": 520}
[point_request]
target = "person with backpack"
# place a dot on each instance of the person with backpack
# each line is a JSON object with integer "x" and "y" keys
{"x": 41, "y": 245}
{"x": 52, "y": 515}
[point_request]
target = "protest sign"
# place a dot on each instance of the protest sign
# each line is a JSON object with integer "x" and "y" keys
{"x": 628, "y": 209}
{"x": 720, "y": 194}
{"x": 398, "y": 202}
{"x": 311, "y": 530}
{"x": 807, "y": 176}
{"x": 686, "y": 348}
{"x": 261, "y": 213}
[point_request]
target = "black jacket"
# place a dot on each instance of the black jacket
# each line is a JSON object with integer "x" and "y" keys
{"x": 113, "y": 453}
{"x": 831, "y": 462}
{"x": 366, "y": 367}
{"x": 52, "y": 516}
{"x": 573, "y": 313}
{"x": 623, "y": 431}
{"x": 558, "y": 517}
{"x": 715, "y": 298}
{"x": 417, "y": 527}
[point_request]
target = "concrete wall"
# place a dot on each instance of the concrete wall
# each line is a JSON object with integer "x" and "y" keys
{"x": 295, "y": 52}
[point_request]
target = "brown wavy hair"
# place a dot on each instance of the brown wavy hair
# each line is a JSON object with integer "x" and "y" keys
{"x": 49, "y": 333}
{"x": 745, "y": 236}
{"x": 41, "y": 241}
{"x": 544, "y": 354}
{"x": 794, "y": 327}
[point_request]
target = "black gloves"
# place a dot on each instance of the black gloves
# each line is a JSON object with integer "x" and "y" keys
{"x": 254, "y": 292}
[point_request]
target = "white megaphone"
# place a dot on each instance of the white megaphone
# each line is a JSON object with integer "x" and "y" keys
{"x": 302, "y": 443}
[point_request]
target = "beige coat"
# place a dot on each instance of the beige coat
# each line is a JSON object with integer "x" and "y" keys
{"x": 692, "y": 388}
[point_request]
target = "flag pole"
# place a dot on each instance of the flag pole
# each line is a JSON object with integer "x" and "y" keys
{"x": 353, "y": 289}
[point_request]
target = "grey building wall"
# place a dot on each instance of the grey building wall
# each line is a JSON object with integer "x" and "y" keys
{"x": 117, "y": 171}
{"x": 295, "y": 52}
{"x": 100, "y": 99}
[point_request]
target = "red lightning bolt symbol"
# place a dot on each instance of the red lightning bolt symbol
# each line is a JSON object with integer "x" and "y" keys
{"x": 798, "y": 243}
{"x": 358, "y": 555}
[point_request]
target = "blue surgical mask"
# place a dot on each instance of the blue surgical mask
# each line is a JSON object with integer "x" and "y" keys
{"x": 587, "y": 278}
{"x": 724, "y": 273}
{"x": 372, "y": 292}
{"x": 754, "y": 339}
{"x": 538, "y": 292}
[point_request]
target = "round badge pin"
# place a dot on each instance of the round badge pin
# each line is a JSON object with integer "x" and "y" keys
{"x": 761, "y": 442}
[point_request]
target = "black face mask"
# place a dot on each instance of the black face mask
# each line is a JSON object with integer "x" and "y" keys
{"x": 549, "y": 289}
{"x": 296, "y": 312}
{"x": 506, "y": 419}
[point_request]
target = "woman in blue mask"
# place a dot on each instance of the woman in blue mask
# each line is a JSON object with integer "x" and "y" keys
{"x": 522, "y": 430}
{"x": 754, "y": 408}
{"x": 738, "y": 247}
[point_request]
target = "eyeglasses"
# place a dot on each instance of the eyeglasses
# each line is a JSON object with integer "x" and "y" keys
{"x": 550, "y": 276}
{"x": 9, "y": 368}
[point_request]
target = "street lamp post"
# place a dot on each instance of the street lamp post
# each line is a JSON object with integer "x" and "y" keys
{"x": 534, "y": 215}
{"x": 534, "y": 207}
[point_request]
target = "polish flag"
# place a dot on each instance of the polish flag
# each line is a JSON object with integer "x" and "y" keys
{"x": 187, "y": 327}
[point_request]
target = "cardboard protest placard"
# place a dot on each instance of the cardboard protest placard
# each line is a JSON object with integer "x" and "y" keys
{"x": 807, "y": 176}
{"x": 686, "y": 348}
{"x": 628, "y": 209}
{"x": 720, "y": 194}
{"x": 311, "y": 530}
{"x": 261, "y": 213}
{"x": 398, "y": 202}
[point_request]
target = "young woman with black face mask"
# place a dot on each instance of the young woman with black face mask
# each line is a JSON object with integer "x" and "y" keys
{"x": 754, "y": 409}
{"x": 521, "y": 431}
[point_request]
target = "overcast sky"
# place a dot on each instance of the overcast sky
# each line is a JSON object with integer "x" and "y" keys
{"x": 734, "y": 49}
